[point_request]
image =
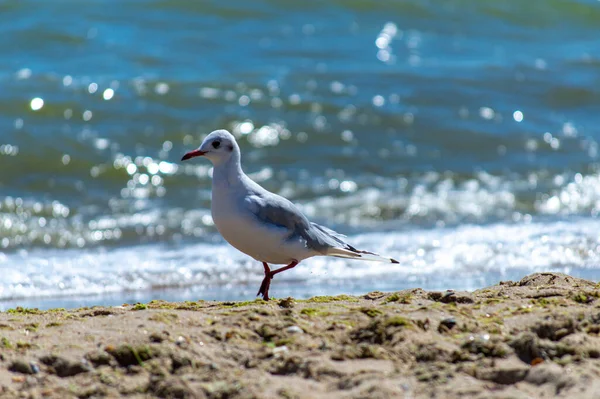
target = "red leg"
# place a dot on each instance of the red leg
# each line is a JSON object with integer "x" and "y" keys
{"x": 266, "y": 283}
{"x": 282, "y": 269}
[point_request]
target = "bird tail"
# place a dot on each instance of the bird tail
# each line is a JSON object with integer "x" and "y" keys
{"x": 353, "y": 253}
{"x": 336, "y": 246}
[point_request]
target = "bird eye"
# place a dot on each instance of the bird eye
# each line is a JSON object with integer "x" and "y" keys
{"x": 216, "y": 144}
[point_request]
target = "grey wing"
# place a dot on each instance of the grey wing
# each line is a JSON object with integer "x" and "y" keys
{"x": 281, "y": 213}
{"x": 278, "y": 212}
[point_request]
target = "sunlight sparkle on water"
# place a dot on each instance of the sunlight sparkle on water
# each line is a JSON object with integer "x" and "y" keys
{"x": 92, "y": 88}
{"x": 108, "y": 94}
{"x": 518, "y": 116}
{"x": 378, "y": 101}
{"x": 37, "y": 103}
{"x": 161, "y": 88}
{"x": 245, "y": 127}
{"x": 24, "y": 73}
{"x": 486, "y": 113}
{"x": 384, "y": 39}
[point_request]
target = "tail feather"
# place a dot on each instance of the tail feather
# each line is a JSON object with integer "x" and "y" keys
{"x": 353, "y": 253}
{"x": 333, "y": 244}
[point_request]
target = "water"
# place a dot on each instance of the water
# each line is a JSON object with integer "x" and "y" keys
{"x": 459, "y": 137}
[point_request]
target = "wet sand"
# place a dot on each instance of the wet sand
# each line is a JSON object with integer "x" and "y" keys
{"x": 538, "y": 337}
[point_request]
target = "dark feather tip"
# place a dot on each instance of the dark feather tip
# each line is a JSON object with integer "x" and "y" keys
{"x": 394, "y": 261}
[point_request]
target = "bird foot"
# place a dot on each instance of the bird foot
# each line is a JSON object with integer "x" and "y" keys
{"x": 269, "y": 274}
{"x": 264, "y": 287}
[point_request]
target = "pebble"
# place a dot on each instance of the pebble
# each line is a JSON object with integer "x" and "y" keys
{"x": 294, "y": 330}
{"x": 448, "y": 323}
{"x": 19, "y": 366}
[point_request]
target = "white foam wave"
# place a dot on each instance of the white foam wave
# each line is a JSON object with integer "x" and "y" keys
{"x": 465, "y": 257}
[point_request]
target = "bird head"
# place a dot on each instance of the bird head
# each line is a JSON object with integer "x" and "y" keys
{"x": 218, "y": 147}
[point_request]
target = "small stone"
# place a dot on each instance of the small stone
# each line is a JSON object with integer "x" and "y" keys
{"x": 552, "y": 374}
{"x": 280, "y": 349}
{"x": 447, "y": 324}
{"x": 98, "y": 312}
{"x": 127, "y": 355}
{"x": 504, "y": 373}
{"x": 19, "y": 366}
{"x": 157, "y": 337}
{"x": 447, "y": 296}
{"x": 482, "y": 345}
{"x": 178, "y": 361}
{"x": 555, "y": 327}
{"x": 294, "y": 330}
{"x": 99, "y": 358}
{"x": 63, "y": 367}
{"x": 434, "y": 296}
{"x": 374, "y": 295}
{"x": 172, "y": 387}
{"x": 536, "y": 361}
{"x": 527, "y": 347}
{"x": 134, "y": 369}
{"x": 287, "y": 303}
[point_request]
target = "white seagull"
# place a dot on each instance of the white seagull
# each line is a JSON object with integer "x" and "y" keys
{"x": 261, "y": 224}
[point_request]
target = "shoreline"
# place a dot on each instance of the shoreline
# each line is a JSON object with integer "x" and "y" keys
{"x": 531, "y": 338}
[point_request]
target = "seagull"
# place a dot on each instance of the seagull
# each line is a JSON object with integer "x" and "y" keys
{"x": 261, "y": 224}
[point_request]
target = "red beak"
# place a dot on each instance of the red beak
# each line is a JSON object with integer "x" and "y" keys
{"x": 192, "y": 154}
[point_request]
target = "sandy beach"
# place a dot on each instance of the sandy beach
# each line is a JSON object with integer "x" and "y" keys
{"x": 537, "y": 337}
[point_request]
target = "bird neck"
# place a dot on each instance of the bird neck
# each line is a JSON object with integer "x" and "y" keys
{"x": 229, "y": 172}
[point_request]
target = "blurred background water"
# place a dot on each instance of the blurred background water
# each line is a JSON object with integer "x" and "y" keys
{"x": 460, "y": 137}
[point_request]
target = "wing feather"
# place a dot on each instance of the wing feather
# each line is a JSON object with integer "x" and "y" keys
{"x": 274, "y": 210}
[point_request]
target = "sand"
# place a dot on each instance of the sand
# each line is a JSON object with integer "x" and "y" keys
{"x": 538, "y": 337}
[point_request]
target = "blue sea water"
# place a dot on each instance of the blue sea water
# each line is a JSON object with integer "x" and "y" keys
{"x": 460, "y": 137}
